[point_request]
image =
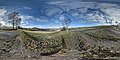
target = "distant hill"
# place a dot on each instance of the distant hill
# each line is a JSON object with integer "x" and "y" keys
{"x": 41, "y": 29}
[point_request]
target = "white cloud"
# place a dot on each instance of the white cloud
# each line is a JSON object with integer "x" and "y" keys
{"x": 2, "y": 22}
{"x": 27, "y": 8}
{"x": 51, "y": 11}
{"x": 61, "y": 17}
{"x": 3, "y": 17}
{"x": 114, "y": 14}
{"x": 2, "y": 12}
{"x": 26, "y": 20}
{"x": 57, "y": 21}
{"x": 27, "y": 17}
{"x": 56, "y": 2}
{"x": 113, "y": 10}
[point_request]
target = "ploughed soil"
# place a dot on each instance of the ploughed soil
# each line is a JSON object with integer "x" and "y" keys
{"x": 86, "y": 44}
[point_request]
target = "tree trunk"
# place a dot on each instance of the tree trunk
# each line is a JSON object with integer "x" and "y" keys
{"x": 13, "y": 24}
{"x": 16, "y": 24}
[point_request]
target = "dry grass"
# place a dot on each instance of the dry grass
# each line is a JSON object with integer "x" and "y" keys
{"x": 41, "y": 32}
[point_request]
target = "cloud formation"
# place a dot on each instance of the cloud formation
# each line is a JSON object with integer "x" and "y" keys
{"x": 81, "y": 12}
{"x": 94, "y": 12}
{"x": 3, "y": 16}
{"x": 27, "y": 18}
{"x": 27, "y": 8}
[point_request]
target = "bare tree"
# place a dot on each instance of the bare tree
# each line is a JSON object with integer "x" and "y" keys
{"x": 116, "y": 23}
{"x": 18, "y": 21}
{"x": 14, "y": 19}
{"x": 66, "y": 23}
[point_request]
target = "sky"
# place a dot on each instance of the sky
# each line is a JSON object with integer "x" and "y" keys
{"x": 51, "y": 13}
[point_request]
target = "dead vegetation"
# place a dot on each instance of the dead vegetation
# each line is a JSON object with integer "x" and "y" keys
{"x": 45, "y": 46}
{"x": 98, "y": 48}
{"x": 89, "y": 43}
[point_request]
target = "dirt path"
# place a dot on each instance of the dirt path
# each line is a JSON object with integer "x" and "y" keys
{"x": 74, "y": 40}
{"x": 87, "y": 40}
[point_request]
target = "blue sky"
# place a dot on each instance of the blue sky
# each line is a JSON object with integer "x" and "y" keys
{"x": 50, "y": 13}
